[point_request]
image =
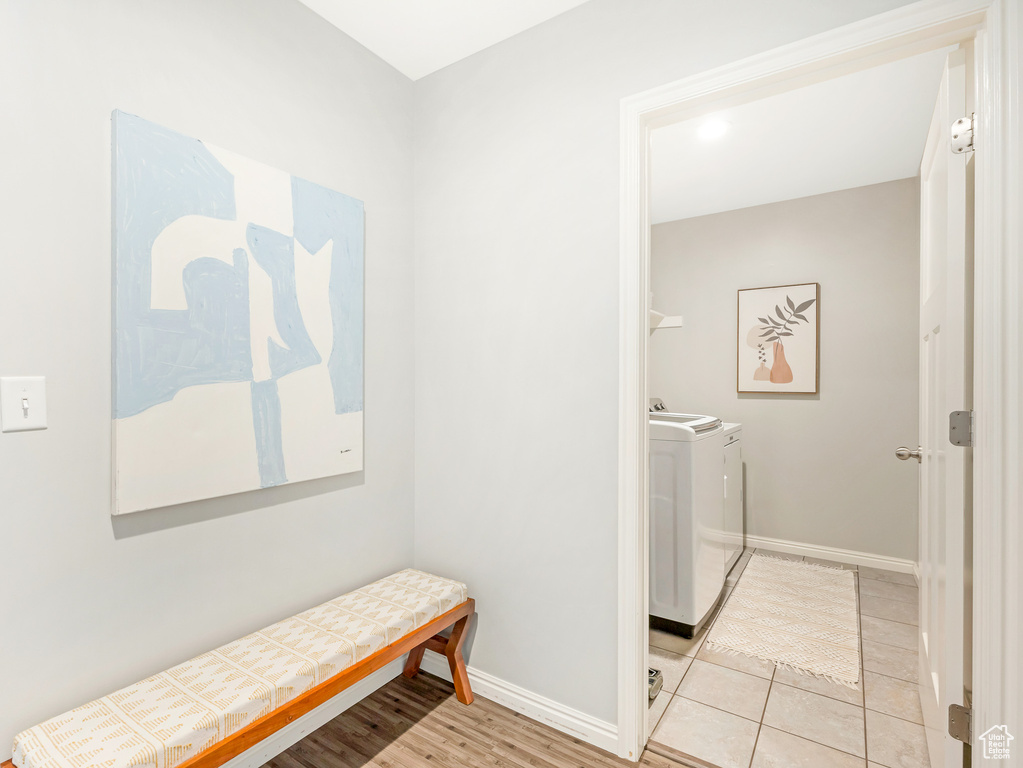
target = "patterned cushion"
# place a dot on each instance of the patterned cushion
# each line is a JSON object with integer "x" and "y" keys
{"x": 167, "y": 719}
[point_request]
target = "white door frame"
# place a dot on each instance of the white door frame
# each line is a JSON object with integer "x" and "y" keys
{"x": 998, "y": 338}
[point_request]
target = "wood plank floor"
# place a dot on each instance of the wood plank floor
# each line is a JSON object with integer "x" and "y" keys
{"x": 415, "y": 723}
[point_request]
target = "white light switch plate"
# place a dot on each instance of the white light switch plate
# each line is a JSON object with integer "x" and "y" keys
{"x": 22, "y": 403}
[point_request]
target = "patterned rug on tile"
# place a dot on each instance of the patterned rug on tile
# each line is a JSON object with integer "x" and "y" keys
{"x": 796, "y": 614}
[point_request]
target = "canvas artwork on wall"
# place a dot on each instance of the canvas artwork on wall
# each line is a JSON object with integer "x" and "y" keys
{"x": 779, "y": 339}
{"x": 238, "y": 323}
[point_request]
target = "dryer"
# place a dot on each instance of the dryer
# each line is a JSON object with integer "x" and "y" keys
{"x": 734, "y": 520}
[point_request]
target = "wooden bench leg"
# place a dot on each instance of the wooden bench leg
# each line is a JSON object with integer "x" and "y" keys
{"x": 451, "y": 647}
{"x": 456, "y": 661}
{"x": 415, "y": 658}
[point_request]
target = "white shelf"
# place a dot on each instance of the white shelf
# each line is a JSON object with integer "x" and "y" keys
{"x": 657, "y": 320}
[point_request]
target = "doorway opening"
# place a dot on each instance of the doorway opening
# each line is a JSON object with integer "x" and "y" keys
{"x": 879, "y": 42}
{"x": 790, "y": 246}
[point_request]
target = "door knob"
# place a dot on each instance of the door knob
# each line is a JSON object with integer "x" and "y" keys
{"x": 904, "y": 453}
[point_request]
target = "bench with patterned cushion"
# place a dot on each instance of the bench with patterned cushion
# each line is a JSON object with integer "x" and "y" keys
{"x": 204, "y": 712}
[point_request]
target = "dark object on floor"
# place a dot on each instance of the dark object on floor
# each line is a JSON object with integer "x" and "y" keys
{"x": 656, "y": 682}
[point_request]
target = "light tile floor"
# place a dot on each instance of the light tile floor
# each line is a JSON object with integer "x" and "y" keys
{"x": 738, "y": 712}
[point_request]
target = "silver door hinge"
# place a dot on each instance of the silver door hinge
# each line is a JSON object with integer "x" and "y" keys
{"x": 960, "y": 723}
{"x": 960, "y": 428}
{"x": 962, "y": 134}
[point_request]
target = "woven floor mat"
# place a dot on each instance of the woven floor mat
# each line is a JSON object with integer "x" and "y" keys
{"x": 799, "y": 615}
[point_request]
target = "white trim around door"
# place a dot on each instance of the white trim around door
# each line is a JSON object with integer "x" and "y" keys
{"x": 998, "y": 338}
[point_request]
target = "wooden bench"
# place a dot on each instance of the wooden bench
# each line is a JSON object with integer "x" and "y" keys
{"x": 219, "y": 750}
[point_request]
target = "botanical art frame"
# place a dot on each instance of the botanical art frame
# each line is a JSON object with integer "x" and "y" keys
{"x": 778, "y": 349}
{"x": 237, "y": 322}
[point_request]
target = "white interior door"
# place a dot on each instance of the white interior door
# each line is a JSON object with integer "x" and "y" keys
{"x": 945, "y": 372}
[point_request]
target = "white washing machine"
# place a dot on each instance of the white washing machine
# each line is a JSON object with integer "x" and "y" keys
{"x": 687, "y": 539}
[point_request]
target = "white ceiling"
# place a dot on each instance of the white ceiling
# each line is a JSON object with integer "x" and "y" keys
{"x": 860, "y": 129}
{"x": 418, "y": 37}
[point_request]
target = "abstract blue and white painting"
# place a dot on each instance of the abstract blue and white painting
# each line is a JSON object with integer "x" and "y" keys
{"x": 238, "y": 322}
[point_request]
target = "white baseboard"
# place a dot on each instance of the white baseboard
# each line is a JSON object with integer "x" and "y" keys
{"x": 565, "y": 719}
{"x": 848, "y": 556}
{"x": 294, "y": 732}
{"x": 574, "y": 723}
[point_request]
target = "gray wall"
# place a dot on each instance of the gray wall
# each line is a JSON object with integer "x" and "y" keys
{"x": 517, "y": 158}
{"x": 88, "y": 603}
{"x": 515, "y": 291}
{"x": 819, "y": 469}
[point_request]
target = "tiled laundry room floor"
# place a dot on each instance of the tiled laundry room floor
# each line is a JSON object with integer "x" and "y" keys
{"x": 732, "y": 711}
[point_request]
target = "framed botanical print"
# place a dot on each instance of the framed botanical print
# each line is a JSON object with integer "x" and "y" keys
{"x": 778, "y": 349}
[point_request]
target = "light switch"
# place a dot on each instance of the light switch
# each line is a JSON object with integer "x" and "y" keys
{"x": 22, "y": 403}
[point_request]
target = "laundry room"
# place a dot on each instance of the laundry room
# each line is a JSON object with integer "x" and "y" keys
{"x": 782, "y": 373}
